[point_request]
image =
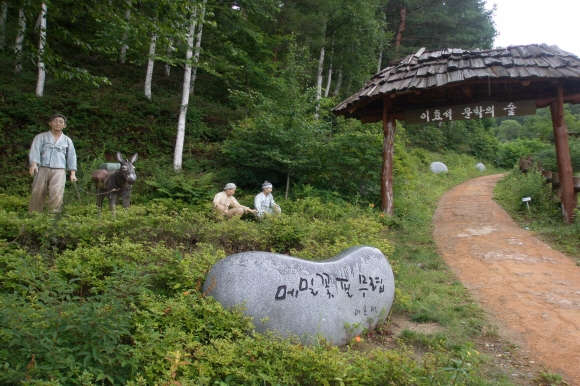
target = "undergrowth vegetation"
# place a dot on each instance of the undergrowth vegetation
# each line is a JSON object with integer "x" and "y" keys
{"x": 542, "y": 214}
{"x": 117, "y": 299}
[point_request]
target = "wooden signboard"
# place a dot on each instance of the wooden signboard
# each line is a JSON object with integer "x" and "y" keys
{"x": 484, "y": 109}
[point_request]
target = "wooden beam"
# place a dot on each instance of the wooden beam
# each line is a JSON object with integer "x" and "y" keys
{"x": 378, "y": 117}
{"x": 545, "y": 102}
{"x": 371, "y": 118}
{"x": 361, "y": 103}
{"x": 467, "y": 91}
{"x": 565, "y": 172}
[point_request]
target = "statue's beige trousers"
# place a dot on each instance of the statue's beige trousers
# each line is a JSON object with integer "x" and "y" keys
{"x": 50, "y": 181}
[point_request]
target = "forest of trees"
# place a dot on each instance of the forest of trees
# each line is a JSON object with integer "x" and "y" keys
{"x": 250, "y": 83}
{"x": 276, "y": 65}
{"x": 244, "y": 41}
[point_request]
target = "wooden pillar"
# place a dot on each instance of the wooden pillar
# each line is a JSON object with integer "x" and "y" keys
{"x": 563, "y": 156}
{"x": 388, "y": 151}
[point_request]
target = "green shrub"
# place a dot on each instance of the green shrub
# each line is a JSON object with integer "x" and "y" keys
{"x": 186, "y": 322}
{"x": 258, "y": 360}
{"x": 509, "y": 153}
{"x": 236, "y": 235}
{"x": 283, "y": 233}
{"x": 13, "y": 203}
{"x": 516, "y": 185}
{"x": 49, "y": 332}
{"x": 186, "y": 188}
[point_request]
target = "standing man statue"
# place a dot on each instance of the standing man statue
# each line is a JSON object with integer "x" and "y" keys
{"x": 264, "y": 201}
{"x": 51, "y": 153}
{"x": 225, "y": 203}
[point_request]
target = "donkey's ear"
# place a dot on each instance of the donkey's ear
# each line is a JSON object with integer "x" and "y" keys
{"x": 134, "y": 158}
{"x": 120, "y": 157}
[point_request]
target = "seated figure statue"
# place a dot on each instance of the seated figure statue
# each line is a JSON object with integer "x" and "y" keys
{"x": 264, "y": 201}
{"x": 226, "y": 204}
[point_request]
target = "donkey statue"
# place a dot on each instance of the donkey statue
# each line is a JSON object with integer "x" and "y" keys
{"x": 110, "y": 184}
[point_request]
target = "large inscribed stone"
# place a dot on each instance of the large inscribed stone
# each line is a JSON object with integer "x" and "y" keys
{"x": 334, "y": 299}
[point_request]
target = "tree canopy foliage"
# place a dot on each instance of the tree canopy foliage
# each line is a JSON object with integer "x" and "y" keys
{"x": 266, "y": 72}
{"x": 439, "y": 24}
{"x": 246, "y": 39}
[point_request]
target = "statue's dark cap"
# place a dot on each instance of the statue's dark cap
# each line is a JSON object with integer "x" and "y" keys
{"x": 56, "y": 116}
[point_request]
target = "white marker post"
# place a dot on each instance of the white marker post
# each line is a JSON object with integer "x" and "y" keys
{"x": 527, "y": 201}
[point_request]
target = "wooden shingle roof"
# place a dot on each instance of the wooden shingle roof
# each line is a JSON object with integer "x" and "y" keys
{"x": 456, "y": 76}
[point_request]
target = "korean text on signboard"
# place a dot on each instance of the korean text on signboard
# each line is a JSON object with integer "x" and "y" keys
{"x": 484, "y": 109}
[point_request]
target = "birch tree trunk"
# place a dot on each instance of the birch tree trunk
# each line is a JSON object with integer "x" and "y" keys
{"x": 328, "y": 81}
{"x": 197, "y": 46}
{"x": 19, "y": 40}
{"x": 338, "y": 83}
{"x": 150, "y": 63}
{"x": 319, "y": 72}
{"x": 3, "y": 13}
{"x": 382, "y": 44}
{"x": 41, "y": 46}
{"x": 327, "y": 89}
{"x": 287, "y": 185}
{"x": 124, "y": 46}
{"x": 178, "y": 154}
{"x": 169, "y": 53}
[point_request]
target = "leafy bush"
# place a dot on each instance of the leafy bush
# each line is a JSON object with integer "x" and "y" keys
{"x": 509, "y": 153}
{"x": 351, "y": 162}
{"x": 240, "y": 364}
{"x": 483, "y": 145}
{"x": 186, "y": 188}
{"x": 547, "y": 156}
{"x": 49, "y": 332}
{"x": 515, "y": 186}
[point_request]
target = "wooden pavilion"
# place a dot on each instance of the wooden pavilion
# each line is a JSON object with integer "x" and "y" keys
{"x": 451, "y": 84}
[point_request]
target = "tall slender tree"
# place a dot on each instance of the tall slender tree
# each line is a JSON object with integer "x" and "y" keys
{"x": 338, "y": 84}
{"x": 169, "y": 54}
{"x": 124, "y": 46}
{"x": 197, "y": 46}
{"x": 329, "y": 77}
{"x": 19, "y": 43}
{"x": 320, "y": 69}
{"x": 150, "y": 63}
{"x": 178, "y": 153}
{"x": 41, "y": 49}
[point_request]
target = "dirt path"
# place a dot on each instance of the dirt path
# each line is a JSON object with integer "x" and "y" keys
{"x": 530, "y": 291}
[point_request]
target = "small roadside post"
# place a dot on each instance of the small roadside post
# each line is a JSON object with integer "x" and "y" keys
{"x": 527, "y": 201}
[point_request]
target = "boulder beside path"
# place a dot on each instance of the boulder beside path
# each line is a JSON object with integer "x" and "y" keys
{"x": 438, "y": 167}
